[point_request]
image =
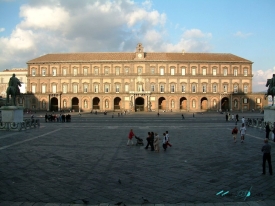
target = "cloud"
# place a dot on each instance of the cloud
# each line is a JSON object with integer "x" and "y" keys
{"x": 2, "y": 29}
{"x": 259, "y": 79}
{"x": 52, "y": 26}
{"x": 242, "y": 35}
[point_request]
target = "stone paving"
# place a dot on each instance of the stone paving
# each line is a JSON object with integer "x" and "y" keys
{"x": 87, "y": 162}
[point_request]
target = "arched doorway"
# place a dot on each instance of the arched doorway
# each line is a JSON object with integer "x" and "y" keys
{"x": 139, "y": 104}
{"x": 204, "y": 102}
{"x": 225, "y": 104}
{"x": 75, "y": 104}
{"x": 117, "y": 102}
{"x": 54, "y": 104}
{"x": 96, "y": 102}
{"x": 183, "y": 103}
{"x": 162, "y": 103}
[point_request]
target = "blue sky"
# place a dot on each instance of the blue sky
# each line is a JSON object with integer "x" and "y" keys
{"x": 31, "y": 28}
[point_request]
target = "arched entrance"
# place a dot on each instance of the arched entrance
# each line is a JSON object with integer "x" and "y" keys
{"x": 75, "y": 104}
{"x": 225, "y": 104}
{"x": 139, "y": 104}
{"x": 204, "y": 102}
{"x": 54, "y": 104}
{"x": 162, "y": 103}
{"x": 117, "y": 102}
{"x": 183, "y": 103}
{"x": 96, "y": 102}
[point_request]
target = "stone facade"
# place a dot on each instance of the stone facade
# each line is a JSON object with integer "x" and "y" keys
{"x": 142, "y": 81}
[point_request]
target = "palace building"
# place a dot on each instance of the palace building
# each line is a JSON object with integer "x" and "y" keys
{"x": 142, "y": 81}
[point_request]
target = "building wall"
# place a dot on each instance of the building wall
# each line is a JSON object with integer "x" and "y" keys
{"x": 103, "y": 86}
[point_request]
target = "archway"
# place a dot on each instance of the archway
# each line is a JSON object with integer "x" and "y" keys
{"x": 162, "y": 103}
{"x": 204, "y": 102}
{"x": 225, "y": 104}
{"x": 75, "y": 104}
{"x": 139, "y": 104}
{"x": 183, "y": 103}
{"x": 96, "y": 102}
{"x": 54, "y": 104}
{"x": 117, "y": 102}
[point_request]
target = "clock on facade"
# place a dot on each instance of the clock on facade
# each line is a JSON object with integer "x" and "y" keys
{"x": 139, "y": 55}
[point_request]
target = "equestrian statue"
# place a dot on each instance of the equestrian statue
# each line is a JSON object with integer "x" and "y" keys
{"x": 13, "y": 90}
{"x": 270, "y": 83}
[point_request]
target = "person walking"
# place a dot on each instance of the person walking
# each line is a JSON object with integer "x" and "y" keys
{"x": 243, "y": 120}
{"x": 148, "y": 140}
{"x": 167, "y": 139}
{"x": 152, "y": 141}
{"x": 234, "y": 133}
{"x": 266, "y": 149}
{"x": 237, "y": 117}
{"x": 267, "y": 131}
{"x": 242, "y": 131}
{"x": 164, "y": 142}
{"x": 156, "y": 142}
{"x": 130, "y": 137}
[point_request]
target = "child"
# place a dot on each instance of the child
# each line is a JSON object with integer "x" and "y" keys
{"x": 156, "y": 142}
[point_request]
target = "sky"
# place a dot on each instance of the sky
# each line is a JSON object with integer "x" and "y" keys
{"x": 246, "y": 28}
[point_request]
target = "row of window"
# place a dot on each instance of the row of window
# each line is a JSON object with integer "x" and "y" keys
{"x": 153, "y": 88}
{"x": 184, "y": 71}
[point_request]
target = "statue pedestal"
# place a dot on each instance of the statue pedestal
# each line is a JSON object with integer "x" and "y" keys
{"x": 269, "y": 114}
{"x": 12, "y": 114}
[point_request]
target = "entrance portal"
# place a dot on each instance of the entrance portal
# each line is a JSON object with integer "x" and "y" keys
{"x": 54, "y": 104}
{"x": 75, "y": 104}
{"x": 139, "y": 104}
{"x": 225, "y": 104}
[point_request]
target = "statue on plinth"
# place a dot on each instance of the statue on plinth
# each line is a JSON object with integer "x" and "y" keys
{"x": 13, "y": 90}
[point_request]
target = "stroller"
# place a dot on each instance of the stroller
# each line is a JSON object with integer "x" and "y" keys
{"x": 139, "y": 141}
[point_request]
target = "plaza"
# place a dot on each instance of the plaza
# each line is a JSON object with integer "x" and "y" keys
{"x": 87, "y": 161}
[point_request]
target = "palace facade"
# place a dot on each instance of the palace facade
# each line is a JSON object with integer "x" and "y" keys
{"x": 142, "y": 81}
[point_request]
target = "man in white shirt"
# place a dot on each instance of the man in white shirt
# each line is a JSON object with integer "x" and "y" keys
{"x": 242, "y": 131}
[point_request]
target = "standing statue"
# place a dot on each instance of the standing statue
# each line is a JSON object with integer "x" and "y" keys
{"x": 13, "y": 90}
{"x": 270, "y": 83}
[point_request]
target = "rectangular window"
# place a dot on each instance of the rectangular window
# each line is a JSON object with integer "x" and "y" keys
{"x": 85, "y": 88}
{"x": 172, "y": 71}
{"x": 245, "y": 88}
{"x": 126, "y": 88}
{"x": 225, "y": 88}
{"x": 161, "y": 88}
{"x": 152, "y": 70}
{"x": 33, "y": 72}
{"x": 193, "y": 71}
{"x": 182, "y": 71}
{"x": 245, "y": 100}
{"x": 117, "y": 70}
{"x": 204, "y": 88}
{"x": 106, "y": 88}
{"x": 235, "y": 89}
{"x": 117, "y": 88}
{"x": 75, "y": 88}
{"x": 96, "y": 71}
{"x": 214, "y": 88}
{"x": 96, "y": 88}
{"x": 235, "y": 72}
{"x": 106, "y": 71}
{"x": 161, "y": 71}
{"x": 126, "y": 71}
{"x": 152, "y": 88}
{"x": 224, "y": 72}
{"x": 64, "y": 72}
{"x": 64, "y": 88}
{"x": 43, "y": 88}
{"x": 172, "y": 88}
{"x": 183, "y": 88}
{"x": 139, "y": 70}
{"x": 214, "y": 72}
{"x": 203, "y": 71}
{"x": 54, "y": 89}
{"x": 193, "y": 88}
{"x": 258, "y": 100}
{"x": 85, "y": 71}
{"x": 43, "y": 72}
{"x": 54, "y": 72}
{"x": 245, "y": 72}
{"x": 75, "y": 71}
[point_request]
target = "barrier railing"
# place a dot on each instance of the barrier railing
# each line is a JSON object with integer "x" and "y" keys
{"x": 26, "y": 124}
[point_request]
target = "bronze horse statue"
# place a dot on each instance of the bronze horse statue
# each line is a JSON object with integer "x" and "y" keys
{"x": 271, "y": 89}
{"x": 13, "y": 90}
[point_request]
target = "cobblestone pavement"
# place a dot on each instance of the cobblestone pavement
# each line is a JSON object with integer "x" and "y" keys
{"x": 87, "y": 162}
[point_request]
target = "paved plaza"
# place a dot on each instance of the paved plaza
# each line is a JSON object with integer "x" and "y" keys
{"x": 87, "y": 162}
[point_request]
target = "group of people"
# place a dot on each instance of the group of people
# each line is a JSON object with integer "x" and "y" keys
{"x": 153, "y": 140}
{"x": 242, "y": 133}
{"x": 56, "y": 118}
{"x": 232, "y": 117}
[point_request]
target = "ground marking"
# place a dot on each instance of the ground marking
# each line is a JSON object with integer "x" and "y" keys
{"x": 26, "y": 140}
